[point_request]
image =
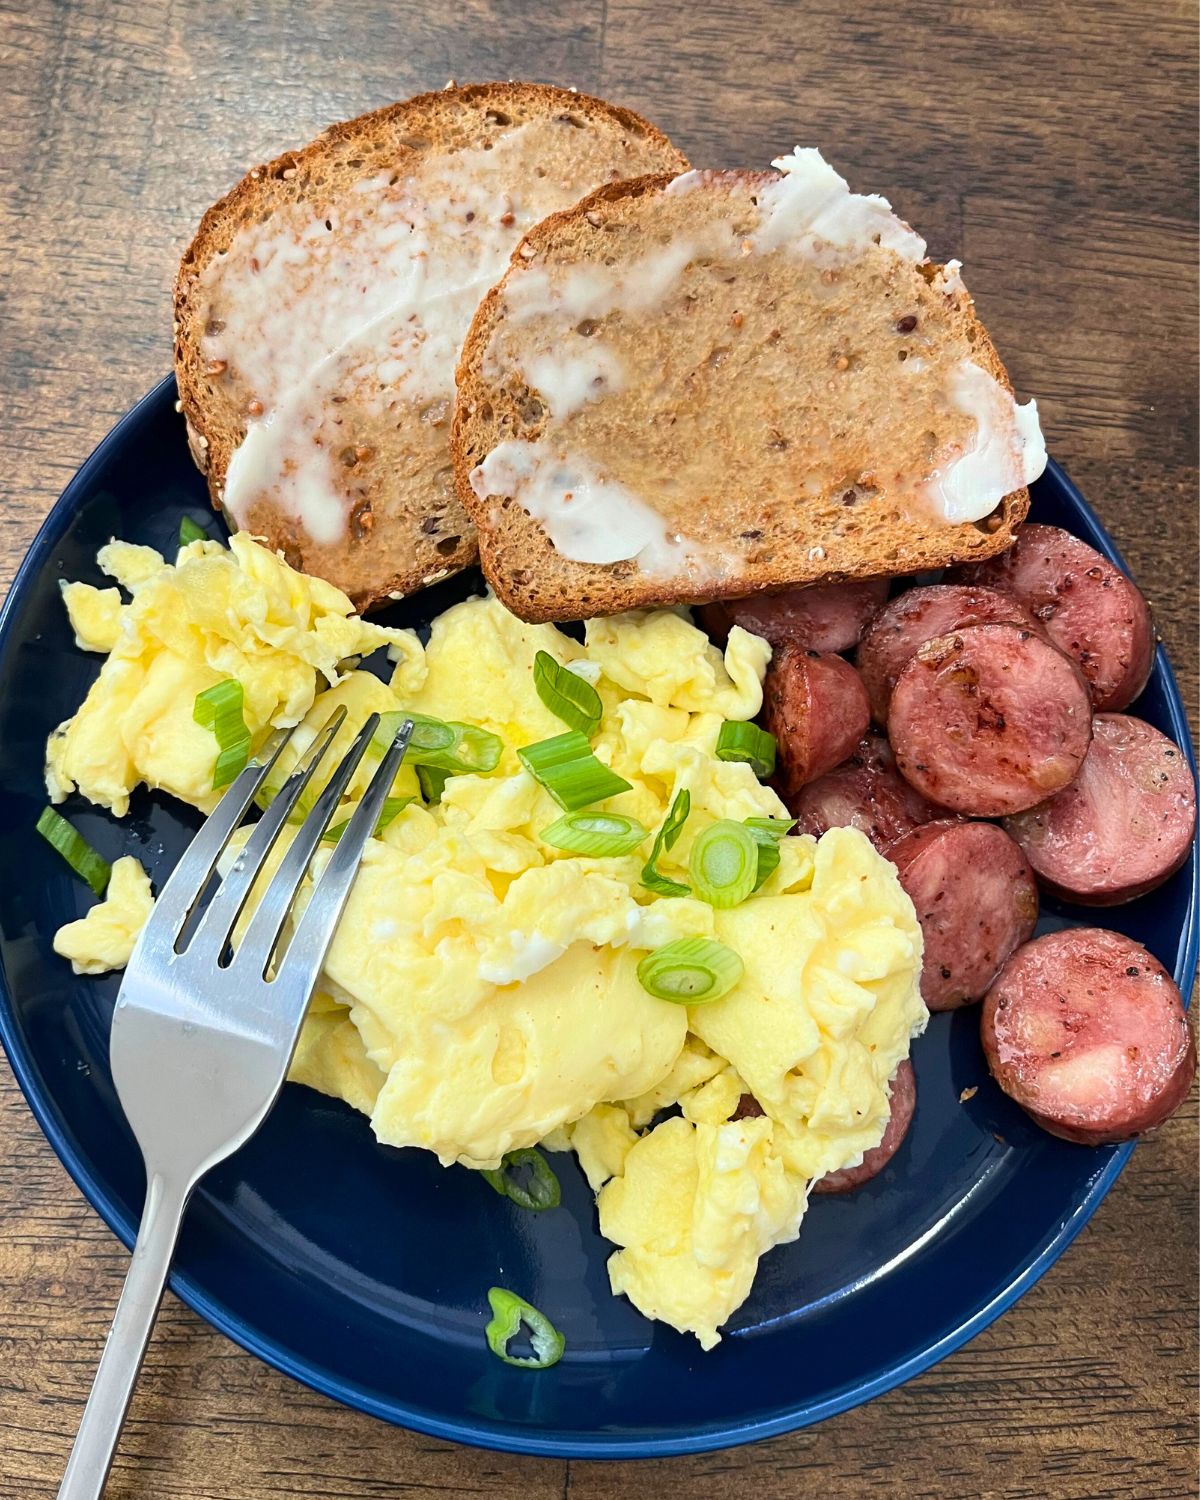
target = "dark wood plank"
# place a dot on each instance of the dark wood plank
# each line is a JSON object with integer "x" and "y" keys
{"x": 1053, "y": 148}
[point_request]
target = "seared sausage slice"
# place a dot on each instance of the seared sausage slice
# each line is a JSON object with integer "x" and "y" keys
{"x": 1086, "y": 1031}
{"x": 748, "y": 1108}
{"x": 989, "y": 720}
{"x": 976, "y": 901}
{"x": 904, "y": 1102}
{"x": 1122, "y": 826}
{"x": 1085, "y": 605}
{"x": 825, "y": 617}
{"x": 900, "y": 628}
{"x": 865, "y": 792}
{"x": 816, "y": 707}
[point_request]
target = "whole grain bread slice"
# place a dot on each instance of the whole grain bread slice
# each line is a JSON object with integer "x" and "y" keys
{"x": 289, "y": 353}
{"x": 681, "y": 351}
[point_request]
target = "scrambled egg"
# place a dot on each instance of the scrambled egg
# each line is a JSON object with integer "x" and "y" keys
{"x": 217, "y": 613}
{"x": 481, "y": 992}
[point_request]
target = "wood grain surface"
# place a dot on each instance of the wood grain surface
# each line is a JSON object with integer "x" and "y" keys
{"x": 1052, "y": 146}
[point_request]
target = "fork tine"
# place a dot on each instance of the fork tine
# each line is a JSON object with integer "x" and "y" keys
{"x": 218, "y": 921}
{"x": 314, "y": 932}
{"x": 187, "y": 880}
{"x": 261, "y": 936}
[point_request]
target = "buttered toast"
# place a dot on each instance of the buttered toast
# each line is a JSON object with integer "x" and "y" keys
{"x": 700, "y": 387}
{"x": 320, "y": 309}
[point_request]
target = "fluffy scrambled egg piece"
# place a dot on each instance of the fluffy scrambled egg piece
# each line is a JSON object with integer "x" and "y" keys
{"x": 331, "y": 1058}
{"x": 695, "y": 1208}
{"x": 655, "y": 654}
{"x": 104, "y": 938}
{"x": 481, "y": 992}
{"x": 215, "y": 613}
{"x": 95, "y": 615}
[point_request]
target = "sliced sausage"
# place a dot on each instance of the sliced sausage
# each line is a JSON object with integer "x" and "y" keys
{"x": 989, "y": 720}
{"x": 1086, "y": 606}
{"x": 976, "y": 901}
{"x": 825, "y": 617}
{"x": 748, "y": 1108}
{"x": 1086, "y": 1031}
{"x": 865, "y": 792}
{"x": 816, "y": 707}
{"x": 1122, "y": 826}
{"x": 904, "y": 1102}
{"x": 903, "y": 626}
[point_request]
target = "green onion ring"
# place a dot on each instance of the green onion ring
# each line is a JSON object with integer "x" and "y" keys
{"x": 189, "y": 532}
{"x": 691, "y": 971}
{"x": 541, "y": 1192}
{"x": 664, "y": 841}
{"x": 566, "y": 766}
{"x": 747, "y": 742}
{"x": 392, "y": 807}
{"x": 219, "y": 708}
{"x": 75, "y": 849}
{"x": 508, "y": 1313}
{"x": 568, "y": 697}
{"x": 600, "y": 835}
{"x": 724, "y": 863}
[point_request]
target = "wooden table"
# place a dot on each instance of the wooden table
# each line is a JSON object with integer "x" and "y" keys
{"x": 1052, "y": 147}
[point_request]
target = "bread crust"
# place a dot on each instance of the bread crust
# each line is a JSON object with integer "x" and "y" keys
{"x": 374, "y": 569}
{"x": 537, "y": 584}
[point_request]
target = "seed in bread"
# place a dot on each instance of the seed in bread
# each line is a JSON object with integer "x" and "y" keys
{"x": 321, "y": 308}
{"x": 703, "y": 387}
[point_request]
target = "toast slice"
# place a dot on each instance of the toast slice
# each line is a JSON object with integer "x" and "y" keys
{"x": 709, "y": 386}
{"x": 320, "y": 310}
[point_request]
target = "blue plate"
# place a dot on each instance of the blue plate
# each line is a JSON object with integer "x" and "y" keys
{"x": 363, "y": 1270}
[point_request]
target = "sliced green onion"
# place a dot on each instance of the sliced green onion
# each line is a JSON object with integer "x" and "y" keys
{"x": 570, "y": 772}
{"x": 391, "y": 807}
{"x": 664, "y": 841}
{"x": 724, "y": 863}
{"x": 219, "y": 708}
{"x": 190, "y": 532}
{"x": 766, "y": 833}
{"x": 459, "y": 749}
{"x": 768, "y": 863}
{"x": 749, "y": 743}
{"x": 600, "y": 834}
{"x": 691, "y": 971}
{"x": 539, "y": 1192}
{"x": 570, "y": 698}
{"x": 75, "y": 849}
{"x": 432, "y": 782}
{"x": 508, "y": 1313}
{"x": 771, "y": 830}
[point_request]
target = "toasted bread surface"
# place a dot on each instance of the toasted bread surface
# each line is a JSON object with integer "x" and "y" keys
{"x": 320, "y": 309}
{"x": 661, "y": 352}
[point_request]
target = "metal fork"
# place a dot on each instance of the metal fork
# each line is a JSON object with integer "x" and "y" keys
{"x": 201, "y": 1040}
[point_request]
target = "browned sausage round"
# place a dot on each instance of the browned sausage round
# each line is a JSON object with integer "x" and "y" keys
{"x": 816, "y": 707}
{"x": 825, "y": 617}
{"x": 1086, "y": 1031}
{"x": 1085, "y": 605}
{"x": 989, "y": 720}
{"x": 865, "y": 792}
{"x": 904, "y": 625}
{"x": 748, "y": 1108}
{"x": 904, "y": 1102}
{"x": 976, "y": 901}
{"x": 1123, "y": 825}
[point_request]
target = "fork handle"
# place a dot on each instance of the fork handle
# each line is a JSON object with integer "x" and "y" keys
{"x": 104, "y": 1415}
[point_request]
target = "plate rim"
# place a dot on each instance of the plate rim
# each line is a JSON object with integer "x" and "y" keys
{"x": 497, "y": 1435}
